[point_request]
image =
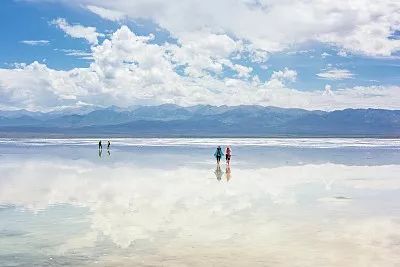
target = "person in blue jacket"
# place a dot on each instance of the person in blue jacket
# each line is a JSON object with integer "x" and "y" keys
{"x": 218, "y": 154}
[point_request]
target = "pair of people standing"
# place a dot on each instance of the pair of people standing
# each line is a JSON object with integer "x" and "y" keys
{"x": 219, "y": 154}
{"x": 101, "y": 146}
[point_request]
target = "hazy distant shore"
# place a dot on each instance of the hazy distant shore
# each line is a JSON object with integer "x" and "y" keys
{"x": 202, "y": 121}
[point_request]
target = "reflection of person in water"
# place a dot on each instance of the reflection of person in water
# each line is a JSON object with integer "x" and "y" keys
{"x": 218, "y": 172}
{"x": 228, "y": 173}
{"x": 108, "y": 145}
{"x": 100, "y": 151}
{"x": 100, "y": 145}
{"x": 218, "y": 154}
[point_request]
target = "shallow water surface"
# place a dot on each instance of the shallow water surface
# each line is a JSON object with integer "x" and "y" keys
{"x": 164, "y": 202}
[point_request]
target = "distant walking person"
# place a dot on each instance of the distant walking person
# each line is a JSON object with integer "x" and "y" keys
{"x": 108, "y": 145}
{"x": 228, "y": 153}
{"x": 218, "y": 154}
{"x": 100, "y": 145}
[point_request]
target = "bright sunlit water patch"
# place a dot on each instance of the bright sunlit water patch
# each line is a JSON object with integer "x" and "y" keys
{"x": 206, "y": 142}
{"x": 164, "y": 202}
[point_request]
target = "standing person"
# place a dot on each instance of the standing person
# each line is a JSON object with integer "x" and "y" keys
{"x": 108, "y": 145}
{"x": 228, "y": 153}
{"x": 218, "y": 154}
{"x": 100, "y": 145}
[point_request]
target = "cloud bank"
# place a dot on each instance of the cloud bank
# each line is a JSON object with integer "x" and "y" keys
{"x": 129, "y": 69}
{"x": 361, "y": 26}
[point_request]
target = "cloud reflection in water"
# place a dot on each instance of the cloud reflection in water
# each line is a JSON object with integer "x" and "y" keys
{"x": 312, "y": 214}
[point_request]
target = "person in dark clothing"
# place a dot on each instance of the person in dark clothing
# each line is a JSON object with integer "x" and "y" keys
{"x": 218, "y": 154}
{"x": 100, "y": 145}
{"x": 108, "y": 145}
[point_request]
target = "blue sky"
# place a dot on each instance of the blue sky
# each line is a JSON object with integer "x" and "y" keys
{"x": 33, "y": 31}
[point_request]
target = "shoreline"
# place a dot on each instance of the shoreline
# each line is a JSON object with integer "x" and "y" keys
{"x": 20, "y": 135}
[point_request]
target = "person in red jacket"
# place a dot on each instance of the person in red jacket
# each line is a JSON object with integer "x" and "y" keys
{"x": 228, "y": 153}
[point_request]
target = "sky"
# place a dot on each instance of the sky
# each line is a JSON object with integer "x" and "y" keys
{"x": 310, "y": 54}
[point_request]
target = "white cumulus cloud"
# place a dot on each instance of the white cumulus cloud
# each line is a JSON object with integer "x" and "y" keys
{"x": 77, "y": 31}
{"x": 360, "y": 26}
{"x": 325, "y": 54}
{"x": 336, "y": 74}
{"x": 129, "y": 69}
{"x": 105, "y": 13}
{"x": 286, "y": 74}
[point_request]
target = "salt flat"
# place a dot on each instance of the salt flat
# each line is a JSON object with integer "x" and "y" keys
{"x": 164, "y": 202}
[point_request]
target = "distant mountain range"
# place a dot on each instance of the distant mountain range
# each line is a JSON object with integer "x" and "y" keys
{"x": 201, "y": 120}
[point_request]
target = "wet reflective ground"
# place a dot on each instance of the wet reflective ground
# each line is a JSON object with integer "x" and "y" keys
{"x": 65, "y": 204}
